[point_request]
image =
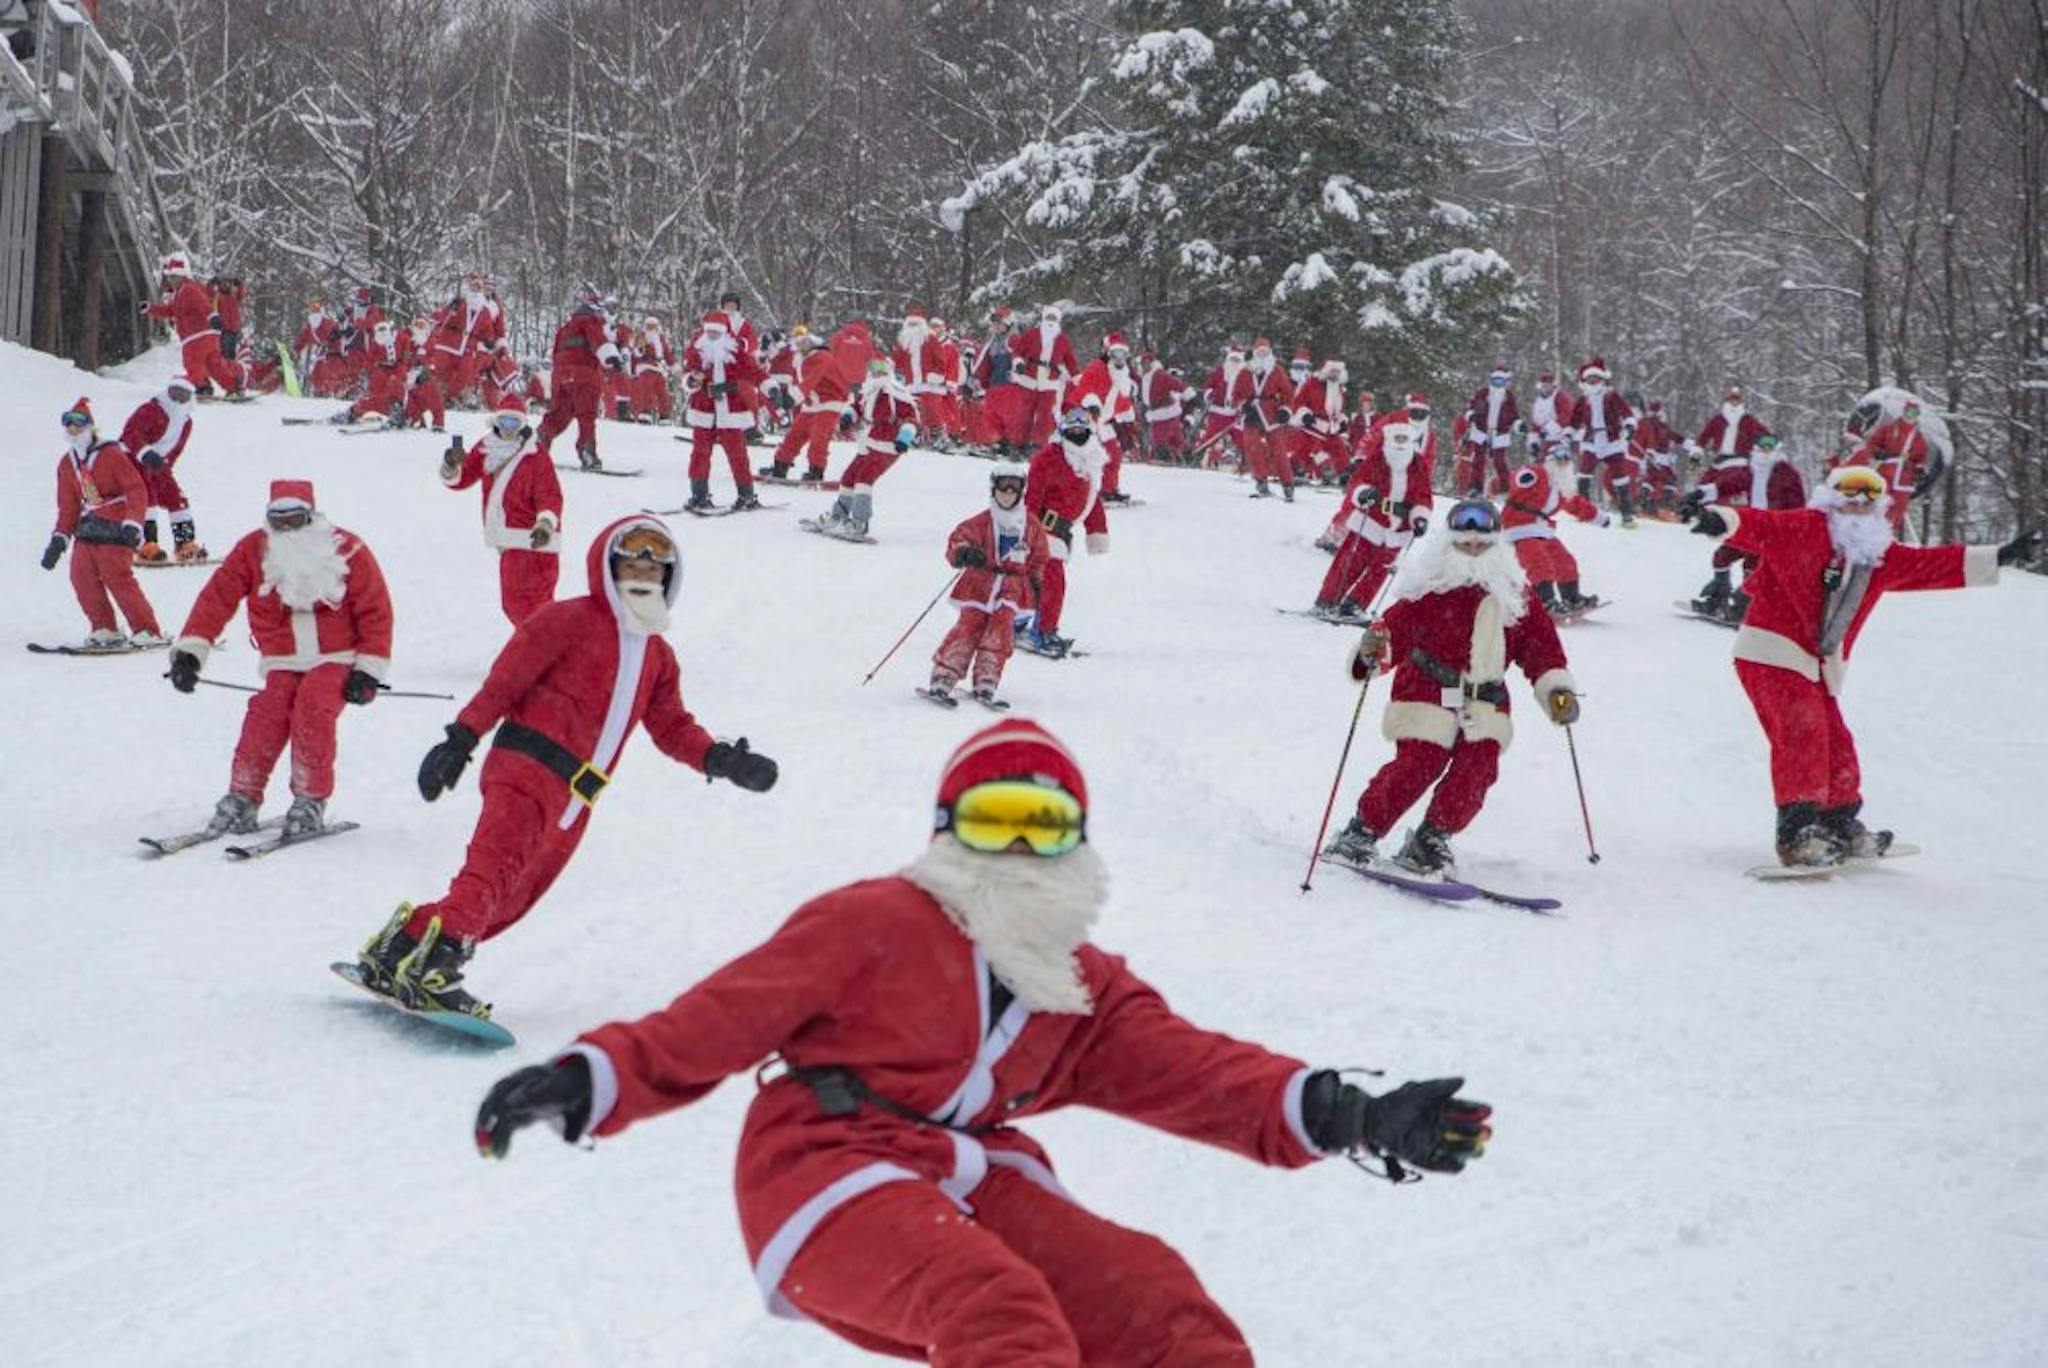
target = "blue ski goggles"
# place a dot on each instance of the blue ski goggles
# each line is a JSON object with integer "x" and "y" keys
{"x": 1472, "y": 516}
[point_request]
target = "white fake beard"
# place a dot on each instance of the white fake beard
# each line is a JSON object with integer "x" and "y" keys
{"x": 1862, "y": 538}
{"x": 910, "y": 338}
{"x": 1732, "y": 413}
{"x": 1027, "y": 913}
{"x": 1399, "y": 456}
{"x": 305, "y": 566}
{"x": 1434, "y": 566}
{"x": 646, "y": 606}
{"x": 1008, "y": 521}
{"x": 498, "y": 452}
{"x": 717, "y": 348}
{"x": 79, "y": 442}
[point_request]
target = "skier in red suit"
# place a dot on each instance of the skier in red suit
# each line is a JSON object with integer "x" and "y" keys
{"x": 821, "y": 398}
{"x": 1264, "y": 429}
{"x": 1491, "y": 417}
{"x": 953, "y": 380}
{"x": 1656, "y": 446}
{"x": 189, "y": 307}
{"x": 885, "y": 1188}
{"x": 1900, "y": 451}
{"x": 583, "y": 352}
{"x": 1820, "y": 571}
{"x": 155, "y": 436}
{"x": 425, "y": 400}
{"x": 1006, "y": 404}
{"x": 654, "y": 356}
{"x": 1530, "y": 521}
{"x": 1317, "y": 413}
{"x": 886, "y": 412}
{"x": 321, "y": 616}
{"x": 564, "y": 694}
{"x": 1165, "y": 396}
{"x": 1106, "y": 389}
{"x": 1226, "y": 394}
{"x": 1389, "y": 502}
{"x": 522, "y": 508}
{"x": 388, "y": 365}
{"x": 1761, "y": 479}
{"x": 323, "y": 366}
{"x": 1063, "y": 490}
{"x": 1601, "y": 425}
{"x": 1042, "y": 361}
{"x": 1001, "y": 555}
{"x": 1462, "y": 613}
{"x": 718, "y": 371}
{"x": 467, "y": 333}
{"x": 101, "y": 502}
{"x": 920, "y": 361}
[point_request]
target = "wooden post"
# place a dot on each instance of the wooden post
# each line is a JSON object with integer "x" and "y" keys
{"x": 92, "y": 271}
{"x": 49, "y": 303}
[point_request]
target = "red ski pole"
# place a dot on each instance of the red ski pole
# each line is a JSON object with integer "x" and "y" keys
{"x": 1336, "y": 782}
{"x": 913, "y": 626}
{"x": 1592, "y": 855}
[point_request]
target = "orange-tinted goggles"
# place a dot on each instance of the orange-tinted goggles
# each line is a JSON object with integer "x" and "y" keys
{"x": 1859, "y": 483}
{"x": 645, "y": 543}
{"x": 994, "y": 817}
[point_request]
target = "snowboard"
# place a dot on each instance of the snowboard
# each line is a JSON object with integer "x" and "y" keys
{"x": 257, "y": 850}
{"x": 813, "y": 525}
{"x": 1686, "y": 609}
{"x": 288, "y": 370}
{"x": 480, "y": 1029}
{"x": 175, "y": 564}
{"x": 728, "y": 510}
{"x": 170, "y": 845}
{"x": 1568, "y": 616}
{"x": 60, "y": 648}
{"x": 826, "y": 486}
{"x": 1897, "y": 850}
{"x": 575, "y": 468}
{"x": 1327, "y": 618}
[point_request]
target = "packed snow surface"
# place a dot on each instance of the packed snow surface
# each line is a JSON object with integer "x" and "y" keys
{"x": 1736, "y": 1123}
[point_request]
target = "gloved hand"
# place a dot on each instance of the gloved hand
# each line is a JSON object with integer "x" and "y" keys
{"x": 1424, "y": 1124}
{"x": 718, "y": 389}
{"x": 970, "y": 558}
{"x": 359, "y": 687}
{"x": 152, "y": 460}
{"x": 1371, "y": 653}
{"x": 445, "y": 762}
{"x": 131, "y": 535}
{"x": 2020, "y": 548}
{"x": 1709, "y": 522}
{"x": 734, "y": 762}
{"x": 846, "y": 421}
{"x": 1689, "y": 507}
{"x": 542, "y": 536}
{"x": 1564, "y": 706}
{"x": 1420, "y": 522}
{"x": 539, "y": 1092}
{"x": 184, "y": 671}
{"x": 54, "y": 552}
{"x": 1364, "y": 497}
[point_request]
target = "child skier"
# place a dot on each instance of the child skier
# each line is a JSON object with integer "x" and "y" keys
{"x": 997, "y": 551}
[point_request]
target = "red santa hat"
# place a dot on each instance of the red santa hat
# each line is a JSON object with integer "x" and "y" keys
{"x": 1301, "y": 354}
{"x": 1015, "y": 748}
{"x": 1001, "y": 313}
{"x": 176, "y": 264}
{"x": 915, "y": 314}
{"x": 1416, "y": 399}
{"x": 362, "y": 294}
{"x": 717, "y": 322}
{"x": 84, "y": 406}
{"x": 287, "y": 495}
{"x": 1546, "y": 377}
{"x": 1656, "y": 406}
{"x": 1146, "y": 358}
{"x": 1596, "y": 369}
{"x": 1115, "y": 342}
{"x": 1262, "y": 342}
{"x": 1233, "y": 349}
{"x": 512, "y": 403}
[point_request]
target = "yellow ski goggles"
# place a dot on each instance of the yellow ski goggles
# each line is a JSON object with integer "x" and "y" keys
{"x": 1860, "y": 483}
{"x": 994, "y": 817}
{"x": 645, "y": 543}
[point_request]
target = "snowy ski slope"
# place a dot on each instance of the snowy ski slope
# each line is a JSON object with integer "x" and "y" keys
{"x": 1737, "y": 1124}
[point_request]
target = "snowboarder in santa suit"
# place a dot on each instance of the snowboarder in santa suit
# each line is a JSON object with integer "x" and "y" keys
{"x": 101, "y": 501}
{"x": 321, "y": 615}
{"x": 564, "y": 694}
{"x": 583, "y": 352}
{"x": 1063, "y": 491}
{"x": 189, "y": 306}
{"x": 821, "y": 397}
{"x": 1462, "y": 613}
{"x": 1530, "y": 522}
{"x": 1761, "y": 479}
{"x": 887, "y": 410}
{"x": 885, "y": 1189}
{"x": 1001, "y": 555}
{"x": 1820, "y": 570}
{"x": 155, "y": 435}
{"x": 1601, "y": 424}
{"x": 522, "y": 507}
{"x": 1900, "y": 451}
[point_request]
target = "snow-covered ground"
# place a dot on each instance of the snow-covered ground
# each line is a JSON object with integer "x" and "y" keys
{"x": 1737, "y": 1123}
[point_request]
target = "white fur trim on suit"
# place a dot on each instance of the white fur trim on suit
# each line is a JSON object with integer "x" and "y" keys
{"x": 1098, "y": 543}
{"x": 1761, "y": 647}
{"x": 196, "y": 646}
{"x": 604, "y": 1082}
{"x": 1291, "y": 1104}
{"x": 1409, "y": 720}
{"x": 1980, "y": 566}
{"x": 1057, "y": 548}
{"x": 1731, "y": 519}
{"x": 1550, "y": 681}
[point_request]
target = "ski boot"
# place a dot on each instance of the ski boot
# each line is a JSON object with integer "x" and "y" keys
{"x": 1287, "y": 493}
{"x": 305, "y": 817}
{"x": 1737, "y": 605}
{"x": 941, "y": 686}
{"x": 1348, "y": 611}
{"x": 1325, "y": 609}
{"x": 151, "y": 552}
{"x": 145, "y": 637}
{"x": 429, "y": 979}
{"x": 1357, "y": 845}
{"x": 190, "y": 553}
{"x": 774, "y": 471}
{"x": 1856, "y": 841}
{"x": 1049, "y": 643}
{"x": 985, "y": 694}
{"x": 1546, "y": 594}
{"x": 700, "y": 497}
{"x": 104, "y": 639}
{"x": 384, "y": 952}
{"x": 1713, "y": 600}
{"x": 586, "y": 457}
{"x": 1116, "y": 498}
{"x": 812, "y": 475}
{"x": 1427, "y": 851}
{"x": 1804, "y": 842}
{"x": 233, "y": 815}
{"x": 1260, "y": 489}
{"x": 1573, "y": 600}
{"x": 343, "y": 418}
{"x": 747, "y": 500}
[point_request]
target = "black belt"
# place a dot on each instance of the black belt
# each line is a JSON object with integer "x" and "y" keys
{"x": 1060, "y": 527}
{"x": 1492, "y": 691}
{"x": 841, "y": 1092}
{"x": 584, "y": 779}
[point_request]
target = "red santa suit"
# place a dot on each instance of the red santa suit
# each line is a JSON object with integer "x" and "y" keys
{"x": 1107, "y": 393}
{"x": 1900, "y": 452}
{"x": 1377, "y": 529}
{"x": 1602, "y": 422}
{"x": 324, "y": 370}
{"x": 362, "y": 320}
{"x": 468, "y": 333}
{"x": 1762, "y": 479}
{"x": 572, "y": 683}
{"x": 1265, "y": 422}
{"x": 318, "y": 608}
{"x": 1165, "y": 396}
{"x": 1006, "y": 405}
{"x": 953, "y": 370}
{"x": 1456, "y": 623}
{"x": 1656, "y": 444}
{"x": 990, "y": 595}
{"x": 1548, "y": 416}
{"x": 1808, "y": 602}
{"x": 654, "y": 356}
{"x": 1042, "y": 362}
{"x": 1490, "y": 418}
{"x": 522, "y": 516}
{"x": 155, "y": 436}
{"x": 501, "y": 381}
{"x": 1062, "y": 491}
{"x": 1318, "y": 415}
{"x": 425, "y": 401}
{"x": 1730, "y": 432}
{"x": 189, "y": 307}
{"x": 583, "y": 351}
{"x": 883, "y": 409}
{"x": 719, "y": 373}
{"x": 1226, "y": 394}
{"x": 934, "y": 1228}
{"x": 821, "y": 393}
{"x": 1529, "y": 522}
{"x": 390, "y": 361}
{"x": 101, "y": 503}
{"x": 921, "y": 363}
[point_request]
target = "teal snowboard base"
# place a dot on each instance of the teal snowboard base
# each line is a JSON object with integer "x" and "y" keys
{"x": 479, "y": 1029}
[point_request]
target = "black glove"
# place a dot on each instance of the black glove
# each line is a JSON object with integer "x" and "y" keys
{"x": 184, "y": 671}
{"x": 1709, "y": 522}
{"x": 1420, "y": 522}
{"x": 54, "y": 552}
{"x": 970, "y": 558}
{"x": 846, "y": 421}
{"x": 360, "y": 687}
{"x": 734, "y": 762}
{"x": 2020, "y": 548}
{"x": 152, "y": 460}
{"x": 131, "y": 534}
{"x": 1689, "y": 507}
{"x": 751, "y": 434}
{"x": 213, "y": 321}
{"x": 446, "y": 762}
{"x": 538, "y": 1092}
{"x": 1424, "y": 1124}
{"x": 1364, "y": 497}
{"x": 718, "y": 389}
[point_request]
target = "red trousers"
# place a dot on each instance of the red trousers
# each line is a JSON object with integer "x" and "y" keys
{"x": 1813, "y": 757}
{"x": 300, "y": 708}
{"x": 811, "y": 435}
{"x": 1266, "y": 453}
{"x": 514, "y": 855}
{"x": 1473, "y": 460}
{"x": 454, "y": 373}
{"x": 164, "y": 490}
{"x": 1545, "y": 560}
{"x": 1356, "y": 571}
{"x": 868, "y": 468}
{"x": 426, "y": 400}
{"x": 1169, "y": 439}
{"x": 1052, "y": 596}
{"x": 730, "y": 440}
{"x": 204, "y": 362}
{"x": 974, "y": 422}
{"x": 387, "y": 388}
{"x": 104, "y": 571}
{"x": 1213, "y": 424}
{"x": 1618, "y": 473}
{"x": 650, "y": 394}
{"x": 931, "y": 413}
{"x": 331, "y": 378}
{"x": 1029, "y": 1278}
{"x": 1041, "y": 415}
{"x": 1467, "y": 770}
{"x": 574, "y": 398}
{"x": 981, "y": 640}
{"x": 1323, "y": 451}
{"x": 1009, "y": 409}
{"x": 526, "y": 582}
{"x": 1113, "y": 468}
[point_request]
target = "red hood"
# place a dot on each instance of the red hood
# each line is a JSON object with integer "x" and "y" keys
{"x": 597, "y": 561}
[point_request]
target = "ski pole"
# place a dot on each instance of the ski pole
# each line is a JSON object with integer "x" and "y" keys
{"x": 1335, "y": 783}
{"x": 913, "y": 626}
{"x": 1592, "y": 855}
{"x": 384, "y": 689}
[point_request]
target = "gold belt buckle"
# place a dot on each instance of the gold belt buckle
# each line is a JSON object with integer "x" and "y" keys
{"x": 587, "y": 783}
